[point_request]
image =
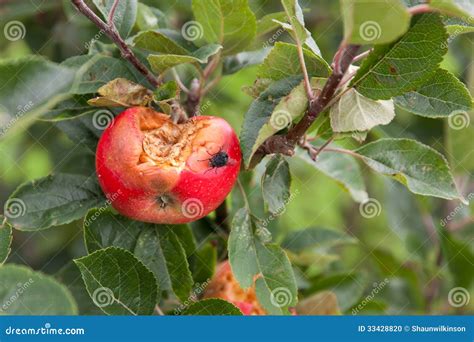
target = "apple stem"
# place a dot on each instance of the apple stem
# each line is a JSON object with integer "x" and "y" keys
{"x": 110, "y": 30}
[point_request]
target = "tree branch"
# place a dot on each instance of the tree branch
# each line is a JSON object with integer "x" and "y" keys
{"x": 110, "y": 20}
{"x": 286, "y": 143}
{"x": 343, "y": 60}
{"x": 198, "y": 87}
{"x": 113, "y": 34}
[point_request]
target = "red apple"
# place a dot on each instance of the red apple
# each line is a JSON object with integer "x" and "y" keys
{"x": 154, "y": 170}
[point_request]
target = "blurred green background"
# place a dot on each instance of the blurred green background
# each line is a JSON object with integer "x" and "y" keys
{"x": 401, "y": 243}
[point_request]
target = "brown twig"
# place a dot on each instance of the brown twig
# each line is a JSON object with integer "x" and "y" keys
{"x": 314, "y": 151}
{"x": 194, "y": 98}
{"x": 362, "y": 55}
{"x": 285, "y": 143}
{"x": 199, "y": 88}
{"x": 110, "y": 20}
{"x": 112, "y": 33}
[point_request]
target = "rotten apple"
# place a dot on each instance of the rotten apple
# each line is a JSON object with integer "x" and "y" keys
{"x": 154, "y": 170}
{"x": 223, "y": 285}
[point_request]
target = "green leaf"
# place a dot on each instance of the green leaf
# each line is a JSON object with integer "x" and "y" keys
{"x": 66, "y": 110}
{"x": 162, "y": 252}
{"x": 25, "y": 292}
{"x": 204, "y": 262}
{"x": 168, "y": 90}
{"x": 315, "y": 238}
{"x": 230, "y": 23}
{"x": 420, "y": 168}
{"x": 103, "y": 228}
{"x": 124, "y": 16}
{"x": 161, "y": 63}
{"x": 440, "y": 96}
{"x": 87, "y": 128}
{"x": 405, "y": 219}
{"x": 456, "y": 26}
{"x": 186, "y": 238}
{"x": 268, "y": 22}
{"x": 95, "y": 71}
{"x": 118, "y": 282}
{"x": 30, "y": 86}
{"x": 276, "y": 182}
{"x": 234, "y": 63}
{"x": 282, "y": 62}
{"x": 355, "y": 112}
{"x": 374, "y": 22}
{"x": 212, "y": 307}
{"x": 158, "y": 247}
{"x": 299, "y": 32}
{"x": 121, "y": 92}
{"x": 5, "y": 241}
{"x": 275, "y": 109}
{"x": 52, "y": 201}
{"x": 394, "y": 69}
{"x": 458, "y": 8}
{"x": 459, "y": 258}
{"x": 71, "y": 277}
{"x": 249, "y": 256}
{"x": 343, "y": 169}
{"x": 156, "y": 41}
{"x": 149, "y": 18}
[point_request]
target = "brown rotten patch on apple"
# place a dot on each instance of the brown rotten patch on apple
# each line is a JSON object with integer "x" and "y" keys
{"x": 224, "y": 286}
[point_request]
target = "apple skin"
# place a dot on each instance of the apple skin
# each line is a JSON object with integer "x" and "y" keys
{"x": 153, "y": 170}
{"x": 223, "y": 285}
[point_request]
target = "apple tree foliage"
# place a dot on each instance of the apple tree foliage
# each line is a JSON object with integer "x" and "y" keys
{"x": 130, "y": 267}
